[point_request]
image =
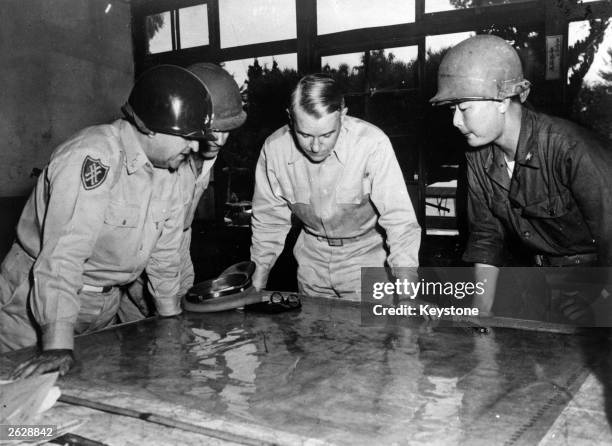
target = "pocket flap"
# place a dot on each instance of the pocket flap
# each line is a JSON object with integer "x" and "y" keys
{"x": 552, "y": 207}
{"x": 122, "y": 215}
{"x": 160, "y": 211}
{"x": 349, "y": 195}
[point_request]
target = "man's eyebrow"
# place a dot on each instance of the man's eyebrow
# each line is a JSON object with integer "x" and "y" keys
{"x": 323, "y": 134}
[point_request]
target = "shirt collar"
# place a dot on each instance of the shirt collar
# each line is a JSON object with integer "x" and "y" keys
{"x": 341, "y": 149}
{"x": 495, "y": 166}
{"x": 526, "y": 155}
{"x": 135, "y": 156}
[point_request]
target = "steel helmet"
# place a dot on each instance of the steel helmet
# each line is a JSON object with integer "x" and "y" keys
{"x": 170, "y": 99}
{"x": 483, "y": 67}
{"x": 228, "y": 113}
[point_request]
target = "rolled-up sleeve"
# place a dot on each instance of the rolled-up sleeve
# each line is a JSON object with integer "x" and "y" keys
{"x": 396, "y": 213}
{"x": 271, "y": 220}
{"x": 486, "y": 239}
{"x": 75, "y": 214}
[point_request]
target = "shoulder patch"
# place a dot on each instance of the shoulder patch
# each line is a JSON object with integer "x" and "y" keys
{"x": 93, "y": 173}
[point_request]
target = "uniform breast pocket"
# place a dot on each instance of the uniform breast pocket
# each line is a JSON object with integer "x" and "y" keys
{"x": 552, "y": 207}
{"x": 295, "y": 194}
{"x": 302, "y": 195}
{"x": 122, "y": 215}
{"x": 160, "y": 212}
{"x": 559, "y": 218}
{"x": 354, "y": 194}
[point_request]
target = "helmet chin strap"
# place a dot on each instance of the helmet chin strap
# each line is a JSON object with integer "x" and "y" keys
{"x": 129, "y": 113}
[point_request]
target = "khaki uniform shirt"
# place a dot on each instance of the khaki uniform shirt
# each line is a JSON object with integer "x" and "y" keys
{"x": 359, "y": 186}
{"x": 194, "y": 177}
{"x": 99, "y": 215}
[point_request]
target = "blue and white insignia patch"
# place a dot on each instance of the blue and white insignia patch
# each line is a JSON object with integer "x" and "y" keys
{"x": 93, "y": 173}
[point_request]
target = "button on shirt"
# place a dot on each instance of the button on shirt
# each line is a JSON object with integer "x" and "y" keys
{"x": 359, "y": 185}
{"x": 558, "y": 201}
{"x": 100, "y": 226}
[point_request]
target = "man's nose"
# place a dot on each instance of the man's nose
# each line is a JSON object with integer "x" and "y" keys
{"x": 457, "y": 117}
{"x": 315, "y": 146}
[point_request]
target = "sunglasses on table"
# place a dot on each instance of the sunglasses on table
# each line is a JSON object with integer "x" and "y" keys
{"x": 277, "y": 303}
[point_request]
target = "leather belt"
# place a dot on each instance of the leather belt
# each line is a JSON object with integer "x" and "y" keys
{"x": 97, "y": 289}
{"x": 337, "y": 241}
{"x": 570, "y": 260}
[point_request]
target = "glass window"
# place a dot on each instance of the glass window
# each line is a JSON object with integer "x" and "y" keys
{"x": 345, "y": 62}
{"x": 261, "y": 21}
{"x": 439, "y": 44}
{"x": 242, "y": 69}
{"x": 193, "y": 24}
{"x": 266, "y": 84}
{"x": 589, "y": 75}
{"x": 449, "y": 5}
{"x": 393, "y": 101}
{"x": 342, "y": 15}
{"x": 590, "y": 43}
{"x": 380, "y": 87}
{"x": 393, "y": 68}
{"x": 159, "y": 34}
{"x": 444, "y": 145}
{"x": 348, "y": 70}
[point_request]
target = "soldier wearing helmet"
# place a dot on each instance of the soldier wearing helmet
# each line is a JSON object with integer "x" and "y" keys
{"x": 106, "y": 208}
{"x": 194, "y": 176}
{"x": 536, "y": 181}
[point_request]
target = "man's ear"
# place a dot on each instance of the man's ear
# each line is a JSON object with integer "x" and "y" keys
{"x": 523, "y": 94}
{"x": 503, "y": 105}
{"x": 289, "y": 116}
{"x": 343, "y": 113}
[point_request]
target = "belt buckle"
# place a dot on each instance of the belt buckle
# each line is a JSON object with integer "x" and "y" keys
{"x": 334, "y": 242}
{"x": 96, "y": 289}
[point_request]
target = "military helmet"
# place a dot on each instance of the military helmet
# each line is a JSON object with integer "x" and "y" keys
{"x": 228, "y": 113}
{"x": 170, "y": 99}
{"x": 483, "y": 67}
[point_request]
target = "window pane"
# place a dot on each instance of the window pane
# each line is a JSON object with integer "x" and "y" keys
{"x": 439, "y": 44}
{"x": 159, "y": 33}
{"x": 266, "y": 84}
{"x": 260, "y": 21}
{"x": 393, "y": 68}
{"x": 342, "y": 15}
{"x": 444, "y": 144}
{"x": 193, "y": 24}
{"x": 590, "y": 43}
{"x": 589, "y": 75}
{"x": 448, "y": 5}
{"x": 348, "y": 70}
{"x": 392, "y": 100}
{"x": 256, "y": 67}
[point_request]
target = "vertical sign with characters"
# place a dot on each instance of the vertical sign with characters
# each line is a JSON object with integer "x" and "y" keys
{"x": 553, "y": 57}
